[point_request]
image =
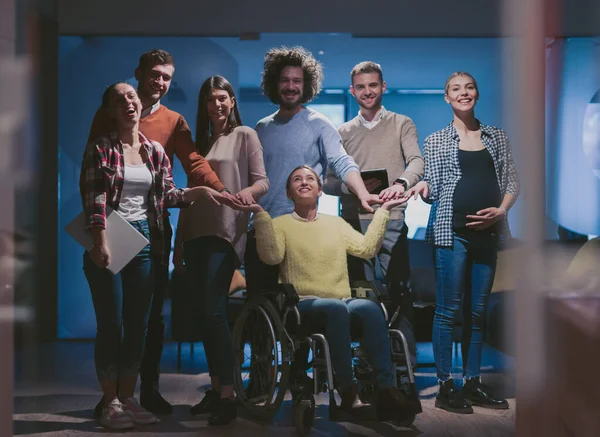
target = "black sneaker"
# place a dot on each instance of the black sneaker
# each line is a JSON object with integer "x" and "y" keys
{"x": 207, "y": 404}
{"x": 153, "y": 401}
{"x": 224, "y": 412}
{"x": 98, "y": 409}
{"x": 477, "y": 394}
{"x": 451, "y": 399}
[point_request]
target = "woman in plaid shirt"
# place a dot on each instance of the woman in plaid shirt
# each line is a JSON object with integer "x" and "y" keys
{"x": 132, "y": 175}
{"x": 471, "y": 181}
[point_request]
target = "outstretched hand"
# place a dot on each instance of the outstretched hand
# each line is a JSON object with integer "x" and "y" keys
{"x": 228, "y": 199}
{"x": 396, "y": 191}
{"x": 368, "y": 200}
{"x": 245, "y": 197}
{"x": 253, "y": 208}
{"x": 388, "y": 205}
{"x": 422, "y": 189}
{"x": 212, "y": 195}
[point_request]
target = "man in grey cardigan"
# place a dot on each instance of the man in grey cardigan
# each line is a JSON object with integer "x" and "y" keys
{"x": 377, "y": 138}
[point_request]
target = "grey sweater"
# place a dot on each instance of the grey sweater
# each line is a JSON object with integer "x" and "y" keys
{"x": 392, "y": 144}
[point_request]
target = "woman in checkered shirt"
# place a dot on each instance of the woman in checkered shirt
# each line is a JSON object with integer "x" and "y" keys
{"x": 130, "y": 174}
{"x": 471, "y": 181}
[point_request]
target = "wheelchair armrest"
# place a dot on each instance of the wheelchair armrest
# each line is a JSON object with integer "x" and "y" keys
{"x": 366, "y": 289}
{"x": 287, "y": 290}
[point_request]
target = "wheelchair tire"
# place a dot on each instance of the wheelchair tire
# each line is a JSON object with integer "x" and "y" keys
{"x": 258, "y": 328}
{"x": 304, "y": 416}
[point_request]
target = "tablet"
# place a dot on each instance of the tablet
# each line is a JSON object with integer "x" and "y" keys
{"x": 381, "y": 174}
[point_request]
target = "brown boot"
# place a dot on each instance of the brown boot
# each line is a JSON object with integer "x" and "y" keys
{"x": 351, "y": 403}
{"x": 392, "y": 404}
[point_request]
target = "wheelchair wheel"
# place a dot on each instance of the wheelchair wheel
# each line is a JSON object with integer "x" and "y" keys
{"x": 304, "y": 416}
{"x": 261, "y": 359}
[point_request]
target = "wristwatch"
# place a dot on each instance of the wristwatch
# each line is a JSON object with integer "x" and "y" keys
{"x": 401, "y": 182}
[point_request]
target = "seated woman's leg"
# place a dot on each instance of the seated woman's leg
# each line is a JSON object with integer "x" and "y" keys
{"x": 331, "y": 317}
{"x": 391, "y": 403}
{"x": 374, "y": 339}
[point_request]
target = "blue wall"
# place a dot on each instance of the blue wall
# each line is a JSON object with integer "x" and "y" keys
{"x": 88, "y": 65}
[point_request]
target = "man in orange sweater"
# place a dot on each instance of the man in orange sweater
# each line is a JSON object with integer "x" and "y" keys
{"x": 169, "y": 128}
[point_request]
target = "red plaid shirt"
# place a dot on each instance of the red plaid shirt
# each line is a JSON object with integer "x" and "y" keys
{"x": 101, "y": 184}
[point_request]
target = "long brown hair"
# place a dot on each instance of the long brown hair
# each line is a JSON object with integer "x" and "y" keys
{"x": 203, "y": 124}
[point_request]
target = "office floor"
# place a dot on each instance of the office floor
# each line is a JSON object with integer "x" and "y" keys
{"x": 56, "y": 390}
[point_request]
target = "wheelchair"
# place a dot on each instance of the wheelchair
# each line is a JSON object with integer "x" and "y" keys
{"x": 270, "y": 358}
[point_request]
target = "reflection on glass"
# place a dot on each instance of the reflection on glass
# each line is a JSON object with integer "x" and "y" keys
{"x": 591, "y": 133}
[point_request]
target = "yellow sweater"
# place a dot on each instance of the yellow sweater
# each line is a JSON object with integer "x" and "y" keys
{"x": 312, "y": 255}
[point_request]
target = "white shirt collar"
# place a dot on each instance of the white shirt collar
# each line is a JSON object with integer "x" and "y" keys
{"x": 371, "y": 124}
{"x": 150, "y": 110}
{"x": 302, "y": 219}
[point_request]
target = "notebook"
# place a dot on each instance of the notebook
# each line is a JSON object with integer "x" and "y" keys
{"x": 123, "y": 240}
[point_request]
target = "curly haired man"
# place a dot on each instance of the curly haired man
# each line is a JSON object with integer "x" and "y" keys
{"x": 295, "y": 135}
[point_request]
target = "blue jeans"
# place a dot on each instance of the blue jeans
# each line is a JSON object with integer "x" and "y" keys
{"x": 155, "y": 338}
{"x": 335, "y": 319}
{"x": 394, "y": 260}
{"x": 122, "y": 305}
{"x": 464, "y": 275}
{"x": 211, "y": 262}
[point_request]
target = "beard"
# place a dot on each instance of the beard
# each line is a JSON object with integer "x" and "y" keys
{"x": 288, "y": 104}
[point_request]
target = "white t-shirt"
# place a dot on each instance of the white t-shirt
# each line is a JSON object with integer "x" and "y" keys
{"x": 134, "y": 198}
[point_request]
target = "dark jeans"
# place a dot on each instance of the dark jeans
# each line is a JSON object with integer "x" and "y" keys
{"x": 395, "y": 266}
{"x": 155, "y": 339}
{"x": 259, "y": 276}
{"x": 464, "y": 272}
{"x": 337, "y": 319}
{"x": 210, "y": 263}
{"x": 122, "y": 304}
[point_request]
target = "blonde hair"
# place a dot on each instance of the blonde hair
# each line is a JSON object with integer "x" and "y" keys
{"x": 460, "y": 73}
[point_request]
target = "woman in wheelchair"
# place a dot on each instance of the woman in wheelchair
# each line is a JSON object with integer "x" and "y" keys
{"x": 311, "y": 249}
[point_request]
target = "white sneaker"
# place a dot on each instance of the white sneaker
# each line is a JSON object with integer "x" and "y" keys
{"x": 114, "y": 417}
{"x": 138, "y": 414}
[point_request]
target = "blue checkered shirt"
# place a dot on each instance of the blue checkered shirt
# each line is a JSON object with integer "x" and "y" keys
{"x": 442, "y": 173}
